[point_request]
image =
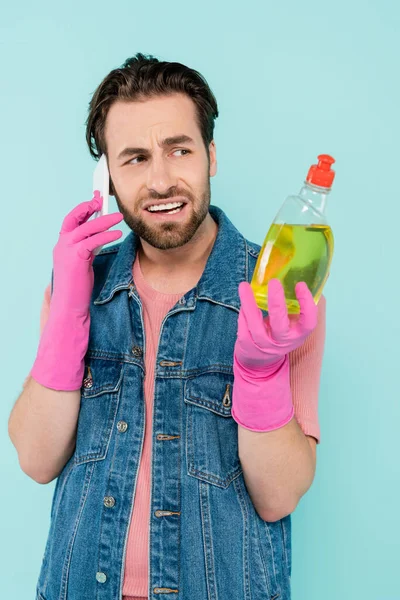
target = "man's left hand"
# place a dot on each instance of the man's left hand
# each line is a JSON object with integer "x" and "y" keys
{"x": 263, "y": 342}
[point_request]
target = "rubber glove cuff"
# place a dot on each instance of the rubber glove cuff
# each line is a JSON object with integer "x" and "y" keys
{"x": 262, "y": 398}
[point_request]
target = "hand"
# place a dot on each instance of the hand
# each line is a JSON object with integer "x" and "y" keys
{"x": 73, "y": 275}
{"x": 262, "y": 398}
{"x": 262, "y": 342}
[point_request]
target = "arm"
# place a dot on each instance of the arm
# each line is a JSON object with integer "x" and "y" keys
{"x": 278, "y": 468}
{"x": 42, "y": 424}
{"x": 279, "y": 464}
{"x": 42, "y": 427}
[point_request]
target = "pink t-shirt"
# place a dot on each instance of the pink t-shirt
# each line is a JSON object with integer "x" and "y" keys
{"x": 305, "y": 370}
{"x": 155, "y": 307}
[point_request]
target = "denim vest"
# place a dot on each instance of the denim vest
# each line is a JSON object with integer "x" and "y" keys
{"x": 206, "y": 540}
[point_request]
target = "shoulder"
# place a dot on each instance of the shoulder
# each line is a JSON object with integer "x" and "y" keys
{"x": 108, "y": 253}
{"x": 252, "y": 248}
{"x": 252, "y": 253}
{"x": 105, "y": 258}
{"x": 321, "y": 322}
{"x": 322, "y": 306}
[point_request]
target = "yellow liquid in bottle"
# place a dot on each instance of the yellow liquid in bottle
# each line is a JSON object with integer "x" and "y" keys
{"x": 293, "y": 253}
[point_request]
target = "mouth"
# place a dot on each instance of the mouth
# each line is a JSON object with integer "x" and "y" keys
{"x": 170, "y": 209}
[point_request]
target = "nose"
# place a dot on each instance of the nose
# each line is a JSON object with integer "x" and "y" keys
{"x": 160, "y": 176}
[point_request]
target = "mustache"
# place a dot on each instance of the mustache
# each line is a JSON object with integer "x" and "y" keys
{"x": 172, "y": 194}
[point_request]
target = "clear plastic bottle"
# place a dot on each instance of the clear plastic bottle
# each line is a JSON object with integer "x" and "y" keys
{"x": 299, "y": 243}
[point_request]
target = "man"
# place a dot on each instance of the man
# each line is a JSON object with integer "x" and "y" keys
{"x": 180, "y": 422}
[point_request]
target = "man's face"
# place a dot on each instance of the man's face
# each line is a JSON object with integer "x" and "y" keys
{"x": 145, "y": 170}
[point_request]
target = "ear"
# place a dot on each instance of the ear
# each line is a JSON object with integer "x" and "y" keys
{"x": 213, "y": 158}
{"x": 111, "y": 191}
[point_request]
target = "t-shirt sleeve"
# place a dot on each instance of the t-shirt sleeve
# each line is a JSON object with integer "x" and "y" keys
{"x": 305, "y": 373}
{"x": 44, "y": 314}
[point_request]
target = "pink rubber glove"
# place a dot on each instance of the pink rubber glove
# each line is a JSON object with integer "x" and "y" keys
{"x": 262, "y": 398}
{"x": 59, "y": 362}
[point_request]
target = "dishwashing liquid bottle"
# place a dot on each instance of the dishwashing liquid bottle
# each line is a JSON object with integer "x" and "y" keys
{"x": 299, "y": 243}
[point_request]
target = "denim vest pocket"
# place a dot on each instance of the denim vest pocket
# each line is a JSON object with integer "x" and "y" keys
{"x": 211, "y": 431}
{"x": 99, "y": 402}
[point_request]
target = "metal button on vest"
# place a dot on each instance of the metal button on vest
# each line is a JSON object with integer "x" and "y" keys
{"x": 122, "y": 426}
{"x": 101, "y": 577}
{"x": 88, "y": 381}
{"x": 137, "y": 351}
{"x": 109, "y": 501}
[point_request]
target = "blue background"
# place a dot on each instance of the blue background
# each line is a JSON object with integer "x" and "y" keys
{"x": 292, "y": 80}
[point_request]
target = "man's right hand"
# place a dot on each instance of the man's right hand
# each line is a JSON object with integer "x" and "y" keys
{"x": 73, "y": 256}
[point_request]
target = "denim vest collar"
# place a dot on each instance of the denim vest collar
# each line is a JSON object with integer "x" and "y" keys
{"x": 219, "y": 285}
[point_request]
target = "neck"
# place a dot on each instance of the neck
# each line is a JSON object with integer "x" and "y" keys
{"x": 178, "y": 267}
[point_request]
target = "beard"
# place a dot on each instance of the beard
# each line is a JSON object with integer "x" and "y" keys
{"x": 165, "y": 236}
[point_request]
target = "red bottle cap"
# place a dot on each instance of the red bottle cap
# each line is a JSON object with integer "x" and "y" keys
{"x": 322, "y": 174}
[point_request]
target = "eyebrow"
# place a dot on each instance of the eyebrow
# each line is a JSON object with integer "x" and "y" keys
{"x": 169, "y": 141}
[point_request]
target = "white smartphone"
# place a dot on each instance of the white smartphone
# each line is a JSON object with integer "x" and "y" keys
{"x": 101, "y": 182}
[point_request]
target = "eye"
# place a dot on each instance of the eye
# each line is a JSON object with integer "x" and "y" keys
{"x": 130, "y": 162}
{"x": 136, "y": 157}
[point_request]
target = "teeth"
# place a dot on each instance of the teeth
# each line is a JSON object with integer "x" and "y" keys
{"x": 164, "y": 206}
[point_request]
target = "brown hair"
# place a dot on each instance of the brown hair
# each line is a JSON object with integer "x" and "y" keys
{"x": 141, "y": 77}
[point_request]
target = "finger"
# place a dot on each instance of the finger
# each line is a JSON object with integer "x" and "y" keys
{"x": 308, "y": 309}
{"x": 242, "y": 329}
{"x": 96, "y": 226}
{"x": 251, "y": 313}
{"x": 89, "y": 244}
{"x": 277, "y": 310}
{"x": 81, "y": 213}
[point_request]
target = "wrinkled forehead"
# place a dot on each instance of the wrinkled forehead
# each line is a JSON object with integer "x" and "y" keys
{"x": 151, "y": 120}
